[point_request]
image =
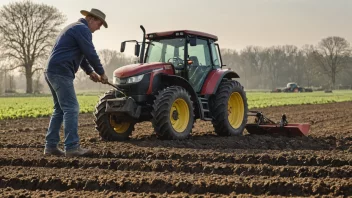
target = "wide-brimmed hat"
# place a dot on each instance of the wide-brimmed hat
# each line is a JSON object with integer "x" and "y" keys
{"x": 97, "y": 13}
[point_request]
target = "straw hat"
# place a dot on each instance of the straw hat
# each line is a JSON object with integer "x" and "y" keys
{"x": 97, "y": 13}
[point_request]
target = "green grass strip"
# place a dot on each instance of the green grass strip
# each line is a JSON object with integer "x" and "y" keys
{"x": 32, "y": 107}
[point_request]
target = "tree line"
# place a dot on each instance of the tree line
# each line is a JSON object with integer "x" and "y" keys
{"x": 328, "y": 64}
{"x": 28, "y": 30}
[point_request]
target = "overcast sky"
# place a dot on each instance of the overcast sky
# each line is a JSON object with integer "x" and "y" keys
{"x": 237, "y": 23}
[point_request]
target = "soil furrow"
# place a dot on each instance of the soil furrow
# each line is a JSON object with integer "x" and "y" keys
{"x": 278, "y": 159}
{"x": 95, "y": 179}
{"x": 10, "y": 193}
{"x": 198, "y": 142}
{"x": 179, "y": 166}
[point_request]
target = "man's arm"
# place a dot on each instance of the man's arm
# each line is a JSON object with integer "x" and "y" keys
{"x": 86, "y": 67}
{"x": 84, "y": 40}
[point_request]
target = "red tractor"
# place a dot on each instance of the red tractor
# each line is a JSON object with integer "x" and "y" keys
{"x": 178, "y": 79}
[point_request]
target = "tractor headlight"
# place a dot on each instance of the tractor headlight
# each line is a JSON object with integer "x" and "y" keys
{"x": 115, "y": 80}
{"x": 135, "y": 79}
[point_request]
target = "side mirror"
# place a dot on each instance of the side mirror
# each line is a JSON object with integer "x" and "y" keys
{"x": 123, "y": 45}
{"x": 193, "y": 41}
{"x": 136, "y": 49}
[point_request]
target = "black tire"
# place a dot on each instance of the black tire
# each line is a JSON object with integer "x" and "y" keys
{"x": 105, "y": 122}
{"x": 168, "y": 105}
{"x": 220, "y": 111}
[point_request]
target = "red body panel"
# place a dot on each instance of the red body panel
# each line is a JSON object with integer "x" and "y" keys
{"x": 203, "y": 34}
{"x": 211, "y": 81}
{"x": 134, "y": 69}
{"x": 169, "y": 71}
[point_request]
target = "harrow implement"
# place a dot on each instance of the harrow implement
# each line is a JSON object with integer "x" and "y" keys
{"x": 264, "y": 125}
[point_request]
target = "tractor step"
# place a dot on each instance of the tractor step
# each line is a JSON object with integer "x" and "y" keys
{"x": 205, "y": 108}
{"x": 264, "y": 125}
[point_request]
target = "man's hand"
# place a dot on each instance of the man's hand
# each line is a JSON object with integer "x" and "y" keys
{"x": 95, "y": 77}
{"x": 104, "y": 79}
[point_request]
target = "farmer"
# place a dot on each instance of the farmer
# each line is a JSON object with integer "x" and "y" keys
{"x": 73, "y": 48}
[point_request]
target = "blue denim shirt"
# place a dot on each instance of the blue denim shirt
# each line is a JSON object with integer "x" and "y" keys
{"x": 74, "y": 48}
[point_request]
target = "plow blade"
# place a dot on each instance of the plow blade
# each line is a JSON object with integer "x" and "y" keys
{"x": 264, "y": 125}
{"x": 288, "y": 130}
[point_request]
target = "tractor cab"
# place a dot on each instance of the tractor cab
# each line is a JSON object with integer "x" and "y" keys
{"x": 192, "y": 54}
{"x": 291, "y": 85}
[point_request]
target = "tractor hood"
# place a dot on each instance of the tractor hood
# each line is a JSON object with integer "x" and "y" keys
{"x": 140, "y": 68}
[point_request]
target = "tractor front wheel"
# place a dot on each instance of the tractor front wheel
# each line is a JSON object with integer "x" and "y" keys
{"x": 110, "y": 127}
{"x": 172, "y": 113}
{"x": 229, "y": 109}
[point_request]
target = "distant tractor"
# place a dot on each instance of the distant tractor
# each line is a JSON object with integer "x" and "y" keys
{"x": 293, "y": 87}
{"x": 179, "y": 78}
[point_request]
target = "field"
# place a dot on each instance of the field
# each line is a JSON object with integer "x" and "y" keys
{"x": 23, "y": 107}
{"x": 203, "y": 166}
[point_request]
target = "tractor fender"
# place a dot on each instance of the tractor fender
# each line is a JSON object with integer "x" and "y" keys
{"x": 161, "y": 81}
{"x": 214, "y": 79}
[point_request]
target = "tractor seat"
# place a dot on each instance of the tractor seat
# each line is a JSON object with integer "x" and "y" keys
{"x": 193, "y": 67}
{"x": 195, "y": 61}
{"x": 197, "y": 73}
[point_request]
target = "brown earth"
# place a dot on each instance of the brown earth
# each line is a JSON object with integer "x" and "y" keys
{"x": 205, "y": 165}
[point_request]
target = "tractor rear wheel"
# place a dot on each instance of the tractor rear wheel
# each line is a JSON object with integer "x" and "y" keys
{"x": 229, "y": 109}
{"x": 110, "y": 128}
{"x": 172, "y": 113}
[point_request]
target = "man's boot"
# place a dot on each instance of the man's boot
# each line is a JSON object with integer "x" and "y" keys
{"x": 76, "y": 152}
{"x": 53, "y": 151}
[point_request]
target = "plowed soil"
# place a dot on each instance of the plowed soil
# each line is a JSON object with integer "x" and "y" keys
{"x": 205, "y": 165}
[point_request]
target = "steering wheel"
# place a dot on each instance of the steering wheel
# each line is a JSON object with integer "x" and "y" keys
{"x": 176, "y": 61}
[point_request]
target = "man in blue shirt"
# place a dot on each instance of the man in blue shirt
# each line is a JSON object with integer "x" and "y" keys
{"x": 73, "y": 48}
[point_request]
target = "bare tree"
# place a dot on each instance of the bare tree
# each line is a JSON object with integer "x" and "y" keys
{"x": 275, "y": 61}
{"x": 27, "y": 31}
{"x": 231, "y": 59}
{"x": 38, "y": 85}
{"x": 253, "y": 58}
{"x": 7, "y": 77}
{"x": 106, "y": 56}
{"x": 289, "y": 68}
{"x": 310, "y": 67}
{"x": 2, "y": 80}
{"x": 111, "y": 60}
{"x": 332, "y": 55}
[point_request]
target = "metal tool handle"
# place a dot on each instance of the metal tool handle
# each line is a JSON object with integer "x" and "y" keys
{"x": 109, "y": 83}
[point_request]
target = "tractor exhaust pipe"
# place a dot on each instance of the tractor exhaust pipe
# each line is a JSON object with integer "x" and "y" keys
{"x": 141, "y": 57}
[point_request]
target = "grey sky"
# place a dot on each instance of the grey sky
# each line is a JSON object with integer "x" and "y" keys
{"x": 237, "y": 23}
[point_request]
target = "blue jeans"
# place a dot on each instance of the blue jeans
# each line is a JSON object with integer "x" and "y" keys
{"x": 66, "y": 110}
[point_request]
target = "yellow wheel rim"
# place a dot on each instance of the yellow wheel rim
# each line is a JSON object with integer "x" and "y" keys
{"x": 119, "y": 127}
{"x": 235, "y": 108}
{"x": 179, "y": 115}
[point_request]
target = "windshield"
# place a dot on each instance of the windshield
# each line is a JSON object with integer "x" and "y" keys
{"x": 166, "y": 50}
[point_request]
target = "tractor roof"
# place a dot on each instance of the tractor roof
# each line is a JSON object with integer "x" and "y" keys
{"x": 192, "y": 32}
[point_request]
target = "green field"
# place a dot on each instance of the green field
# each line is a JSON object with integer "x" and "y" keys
{"x": 17, "y": 107}
{"x": 257, "y": 99}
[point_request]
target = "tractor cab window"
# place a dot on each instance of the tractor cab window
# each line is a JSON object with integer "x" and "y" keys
{"x": 166, "y": 50}
{"x": 200, "y": 53}
{"x": 154, "y": 52}
{"x": 215, "y": 54}
{"x": 199, "y": 63}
